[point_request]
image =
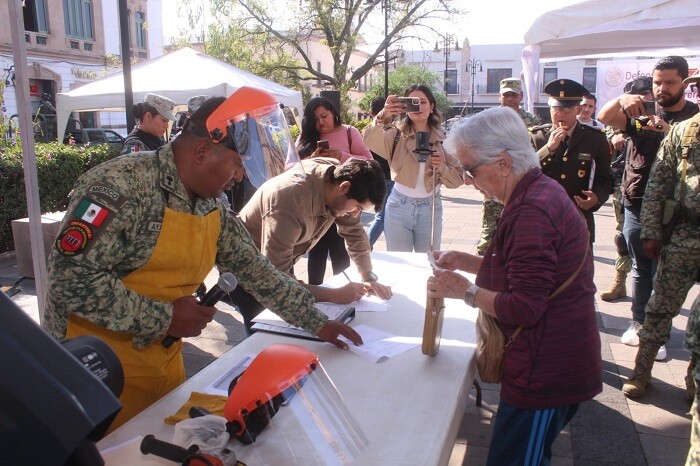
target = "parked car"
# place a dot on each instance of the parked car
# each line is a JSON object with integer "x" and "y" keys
{"x": 95, "y": 136}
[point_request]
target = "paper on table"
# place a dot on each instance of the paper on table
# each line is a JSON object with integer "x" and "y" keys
{"x": 378, "y": 345}
{"x": 371, "y": 303}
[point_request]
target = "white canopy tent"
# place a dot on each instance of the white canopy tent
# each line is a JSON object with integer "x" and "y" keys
{"x": 178, "y": 75}
{"x": 596, "y": 28}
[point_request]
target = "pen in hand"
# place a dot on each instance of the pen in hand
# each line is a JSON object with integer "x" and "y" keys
{"x": 347, "y": 276}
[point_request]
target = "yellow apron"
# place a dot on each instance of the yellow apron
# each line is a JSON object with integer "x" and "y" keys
{"x": 185, "y": 253}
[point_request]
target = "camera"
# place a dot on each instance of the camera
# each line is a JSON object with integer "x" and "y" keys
{"x": 650, "y": 108}
{"x": 422, "y": 145}
{"x": 410, "y": 104}
{"x": 323, "y": 144}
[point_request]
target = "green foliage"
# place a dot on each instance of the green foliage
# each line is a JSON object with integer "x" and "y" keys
{"x": 402, "y": 78}
{"x": 294, "y": 129}
{"x": 361, "y": 124}
{"x": 58, "y": 168}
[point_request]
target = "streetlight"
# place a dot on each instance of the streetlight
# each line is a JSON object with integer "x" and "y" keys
{"x": 385, "y": 9}
{"x": 446, "y": 50}
{"x": 472, "y": 64}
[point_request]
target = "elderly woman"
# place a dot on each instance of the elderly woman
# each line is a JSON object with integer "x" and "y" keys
{"x": 540, "y": 243}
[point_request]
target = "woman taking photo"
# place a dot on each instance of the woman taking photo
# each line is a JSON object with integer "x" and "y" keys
{"x": 321, "y": 122}
{"x": 153, "y": 115}
{"x": 536, "y": 279}
{"x": 408, "y": 215}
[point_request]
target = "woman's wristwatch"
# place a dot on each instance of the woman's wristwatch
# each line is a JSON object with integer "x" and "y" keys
{"x": 471, "y": 294}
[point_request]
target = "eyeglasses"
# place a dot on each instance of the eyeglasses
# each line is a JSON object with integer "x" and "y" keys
{"x": 469, "y": 171}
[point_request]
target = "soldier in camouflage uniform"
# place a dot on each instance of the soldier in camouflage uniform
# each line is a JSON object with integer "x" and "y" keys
{"x": 153, "y": 115}
{"x": 679, "y": 260}
{"x": 141, "y": 233}
{"x": 511, "y": 94}
{"x": 692, "y": 342}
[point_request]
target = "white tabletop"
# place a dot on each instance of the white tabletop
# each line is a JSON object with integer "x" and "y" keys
{"x": 409, "y": 406}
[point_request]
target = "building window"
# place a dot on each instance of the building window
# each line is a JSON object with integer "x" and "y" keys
{"x": 452, "y": 87}
{"x": 589, "y": 77}
{"x": 548, "y": 75}
{"x": 140, "y": 26}
{"x": 494, "y": 77}
{"x": 78, "y": 17}
{"x": 34, "y": 12}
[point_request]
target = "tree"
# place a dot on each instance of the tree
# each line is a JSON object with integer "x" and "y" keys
{"x": 403, "y": 77}
{"x": 338, "y": 24}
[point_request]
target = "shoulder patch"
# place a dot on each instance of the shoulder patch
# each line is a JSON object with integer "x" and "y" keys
{"x": 105, "y": 191}
{"x": 91, "y": 212}
{"x": 74, "y": 238}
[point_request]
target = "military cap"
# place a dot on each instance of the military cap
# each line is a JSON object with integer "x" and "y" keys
{"x": 163, "y": 105}
{"x": 511, "y": 85}
{"x": 193, "y": 103}
{"x": 640, "y": 86}
{"x": 564, "y": 93}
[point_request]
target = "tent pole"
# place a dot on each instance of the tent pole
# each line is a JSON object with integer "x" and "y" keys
{"x": 126, "y": 64}
{"x": 31, "y": 181}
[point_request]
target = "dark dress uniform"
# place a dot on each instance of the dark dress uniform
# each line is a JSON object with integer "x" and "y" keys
{"x": 582, "y": 163}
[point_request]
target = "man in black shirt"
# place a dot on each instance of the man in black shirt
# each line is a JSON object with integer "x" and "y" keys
{"x": 646, "y": 130}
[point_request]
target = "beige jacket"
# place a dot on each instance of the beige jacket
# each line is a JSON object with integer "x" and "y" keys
{"x": 287, "y": 216}
{"x": 402, "y": 160}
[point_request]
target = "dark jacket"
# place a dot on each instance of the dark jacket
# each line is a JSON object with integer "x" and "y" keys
{"x": 556, "y": 360}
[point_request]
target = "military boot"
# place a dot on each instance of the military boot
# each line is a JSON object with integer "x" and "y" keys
{"x": 617, "y": 288}
{"x": 635, "y": 386}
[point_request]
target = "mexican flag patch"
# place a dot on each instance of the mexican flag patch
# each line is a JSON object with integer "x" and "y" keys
{"x": 92, "y": 213}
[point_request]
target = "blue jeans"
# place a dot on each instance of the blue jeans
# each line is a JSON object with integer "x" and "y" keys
{"x": 525, "y": 436}
{"x": 408, "y": 223}
{"x": 376, "y": 228}
{"x": 643, "y": 268}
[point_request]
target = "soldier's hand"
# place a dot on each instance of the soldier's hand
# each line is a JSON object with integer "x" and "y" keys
{"x": 555, "y": 138}
{"x": 590, "y": 200}
{"x": 652, "y": 248}
{"x": 333, "y": 329}
{"x": 189, "y": 317}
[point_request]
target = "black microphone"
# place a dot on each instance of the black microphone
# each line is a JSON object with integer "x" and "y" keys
{"x": 226, "y": 284}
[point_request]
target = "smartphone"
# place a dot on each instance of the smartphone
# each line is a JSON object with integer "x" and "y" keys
{"x": 410, "y": 104}
{"x": 323, "y": 144}
{"x": 650, "y": 108}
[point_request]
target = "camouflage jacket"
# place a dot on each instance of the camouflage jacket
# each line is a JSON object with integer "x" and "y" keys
{"x": 528, "y": 118}
{"x": 134, "y": 190}
{"x": 692, "y": 330}
{"x": 664, "y": 180}
{"x": 141, "y": 141}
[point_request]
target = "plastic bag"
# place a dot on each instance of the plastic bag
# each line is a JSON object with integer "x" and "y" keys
{"x": 208, "y": 432}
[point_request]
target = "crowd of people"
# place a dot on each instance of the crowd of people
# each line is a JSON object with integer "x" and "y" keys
{"x": 118, "y": 270}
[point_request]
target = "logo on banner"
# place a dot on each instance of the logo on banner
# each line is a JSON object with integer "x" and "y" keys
{"x": 614, "y": 77}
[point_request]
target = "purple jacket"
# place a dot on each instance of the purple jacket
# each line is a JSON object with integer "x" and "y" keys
{"x": 539, "y": 243}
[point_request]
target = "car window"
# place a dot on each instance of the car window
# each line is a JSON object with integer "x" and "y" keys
{"x": 113, "y": 136}
{"x": 96, "y": 136}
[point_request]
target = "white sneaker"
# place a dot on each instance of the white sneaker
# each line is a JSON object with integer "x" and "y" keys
{"x": 631, "y": 335}
{"x": 661, "y": 355}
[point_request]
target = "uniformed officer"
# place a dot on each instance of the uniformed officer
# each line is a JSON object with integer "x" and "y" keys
{"x": 510, "y": 95}
{"x": 141, "y": 233}
{"x": 692, "y": 342}
{"x": 673, "y": 176}
{"x": 153, "y": 115}
{"x": 574, "y": 154}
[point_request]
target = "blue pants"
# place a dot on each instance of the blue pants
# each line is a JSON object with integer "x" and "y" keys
{"x": 408, "y": 223}
{"x": 525, "y": 436}
{"x": 643, "y": 268}
{"x": 376, "y": 228}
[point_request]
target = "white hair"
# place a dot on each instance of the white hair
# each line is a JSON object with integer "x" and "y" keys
{"x": 491, "y": 132}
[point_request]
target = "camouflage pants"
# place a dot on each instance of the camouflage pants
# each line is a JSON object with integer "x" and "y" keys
{"x": 693, "y": 458}
{"x": 490, "y": 214}
{"x": 676, "y": 274}
{"x": 622, "y": 263}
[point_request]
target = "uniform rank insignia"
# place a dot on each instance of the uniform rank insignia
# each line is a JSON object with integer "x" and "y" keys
{"x": 584, "y": 156}
{"x": 73, "y": 238}
{"x": 92, "y": 213}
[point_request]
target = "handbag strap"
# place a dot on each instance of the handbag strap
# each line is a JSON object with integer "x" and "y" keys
{"x": 561, "y": 288}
